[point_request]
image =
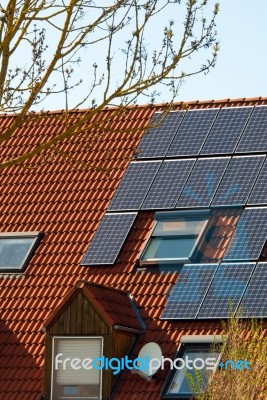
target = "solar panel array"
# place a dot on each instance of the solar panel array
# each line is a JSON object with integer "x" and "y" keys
{"x": 219, "y": 181}
{"x": 134, "y": 186}
{"x": 108, "y": 239}
{"x": 203, "y": 182}
{"x": 189, "y": 291}
{"x": 166, "y": 177}
{"x": 206, "y": 131}
{"x": 157, "y": 140}
{"x": 238, "y": 181}
{"x": 168, "y": 184}
{"x": 254, "y": 302}
{"x": 226, "y": 290}
{"x": 255, "y": 134}
{"x": 259, "y": 192}
{"x": 250, "y": 236}
{"x": 226, "y": 130}
{"x": 192, "y": 132}
{"x": 212, "y": 291}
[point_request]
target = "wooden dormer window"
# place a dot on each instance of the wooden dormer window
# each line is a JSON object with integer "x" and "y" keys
{"x": 93, "y": 321}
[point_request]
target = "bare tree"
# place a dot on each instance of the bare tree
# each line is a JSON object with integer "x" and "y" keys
{"x": 244, "y": 372}
{"x": 43, "y": 42}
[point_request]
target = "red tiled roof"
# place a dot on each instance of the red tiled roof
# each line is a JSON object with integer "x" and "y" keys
{"x": 223, "y": 223}
{"x": 65, "y": 194}
{"x": 114, "y": 305}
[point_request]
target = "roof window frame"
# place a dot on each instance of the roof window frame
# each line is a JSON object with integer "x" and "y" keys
{"x": 172, "y": 215}
{"x": 189, "y": 342}
{"x": 36, "y": 235}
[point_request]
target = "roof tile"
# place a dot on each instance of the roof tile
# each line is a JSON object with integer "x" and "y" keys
{"x": 66, "y": 199}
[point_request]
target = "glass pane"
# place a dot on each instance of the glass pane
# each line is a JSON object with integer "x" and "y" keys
{"x": 13, "y": 251}
{"x": 180, "y": 382}
{"x": 181, "y": 226}
{"x": 70, "y": 390}
{"x": 169, "y": 248}
{"x": 74, "y": 377}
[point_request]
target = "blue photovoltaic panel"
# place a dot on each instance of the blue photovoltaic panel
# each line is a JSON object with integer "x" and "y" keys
{"x": 168, "y": 184}
{"x": 188, "y": 293}
{"x": 254, "y": 302}
{"x": 156, "y": 141}
{"x": 259, "y": 192}
{"x": 203, "y": 182}
{"x": 226, "y": 290}
{"x": 108, "y": 239}
{"x": 192, "y": 132}
{"x": 134, "y": 186}
{"x": 238, "y": 181}
{"x": 249, "y": 237}
{"x": 255, "y": 134}
{"x": 226, "y": 130}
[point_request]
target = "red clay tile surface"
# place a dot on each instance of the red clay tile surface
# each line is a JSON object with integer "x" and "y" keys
{"x": 222, "y": 223}
{"x": 65, "y": 194}
{"x": 115, "y": 306}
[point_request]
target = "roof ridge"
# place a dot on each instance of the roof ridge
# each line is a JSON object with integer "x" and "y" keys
{"x": 157, "y": 105}
{"x": 81, "y": 283}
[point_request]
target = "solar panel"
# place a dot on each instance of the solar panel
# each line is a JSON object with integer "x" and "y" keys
{"x": 238, "y": 181}
{"x": 188, "y": 293}
{"x": 108, "y": 239}
{"x": 192, "y": 132}
{"x": 249, "y": 237}
{"x": 226, "y": 290}
{"x": 134, "y": 186}
{"x": 254, "y": 302}
{"x": 259, "y": 192}
{"x": 168, "y": 184}
{"x": 226, "y": 130}
{"x": 255, "y": 134}
{"x": 203, "y": 182}
{"x": 156, "y": 141}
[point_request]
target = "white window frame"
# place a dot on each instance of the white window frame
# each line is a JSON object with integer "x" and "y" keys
{"x": 36, "y": 235}
{"x": 190, "y": 214}
{"x": 76, "y": 338}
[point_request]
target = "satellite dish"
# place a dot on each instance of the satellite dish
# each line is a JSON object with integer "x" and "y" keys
{"x": 148, "y": 360}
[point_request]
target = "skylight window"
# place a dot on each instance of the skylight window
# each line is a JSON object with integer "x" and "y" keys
{"x": 16, "y": 249}
{"x": 175, "y": 237}
{"x": 199, "y": 356}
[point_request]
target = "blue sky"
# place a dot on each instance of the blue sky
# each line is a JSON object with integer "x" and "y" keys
{"x": 241, "y": 69}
